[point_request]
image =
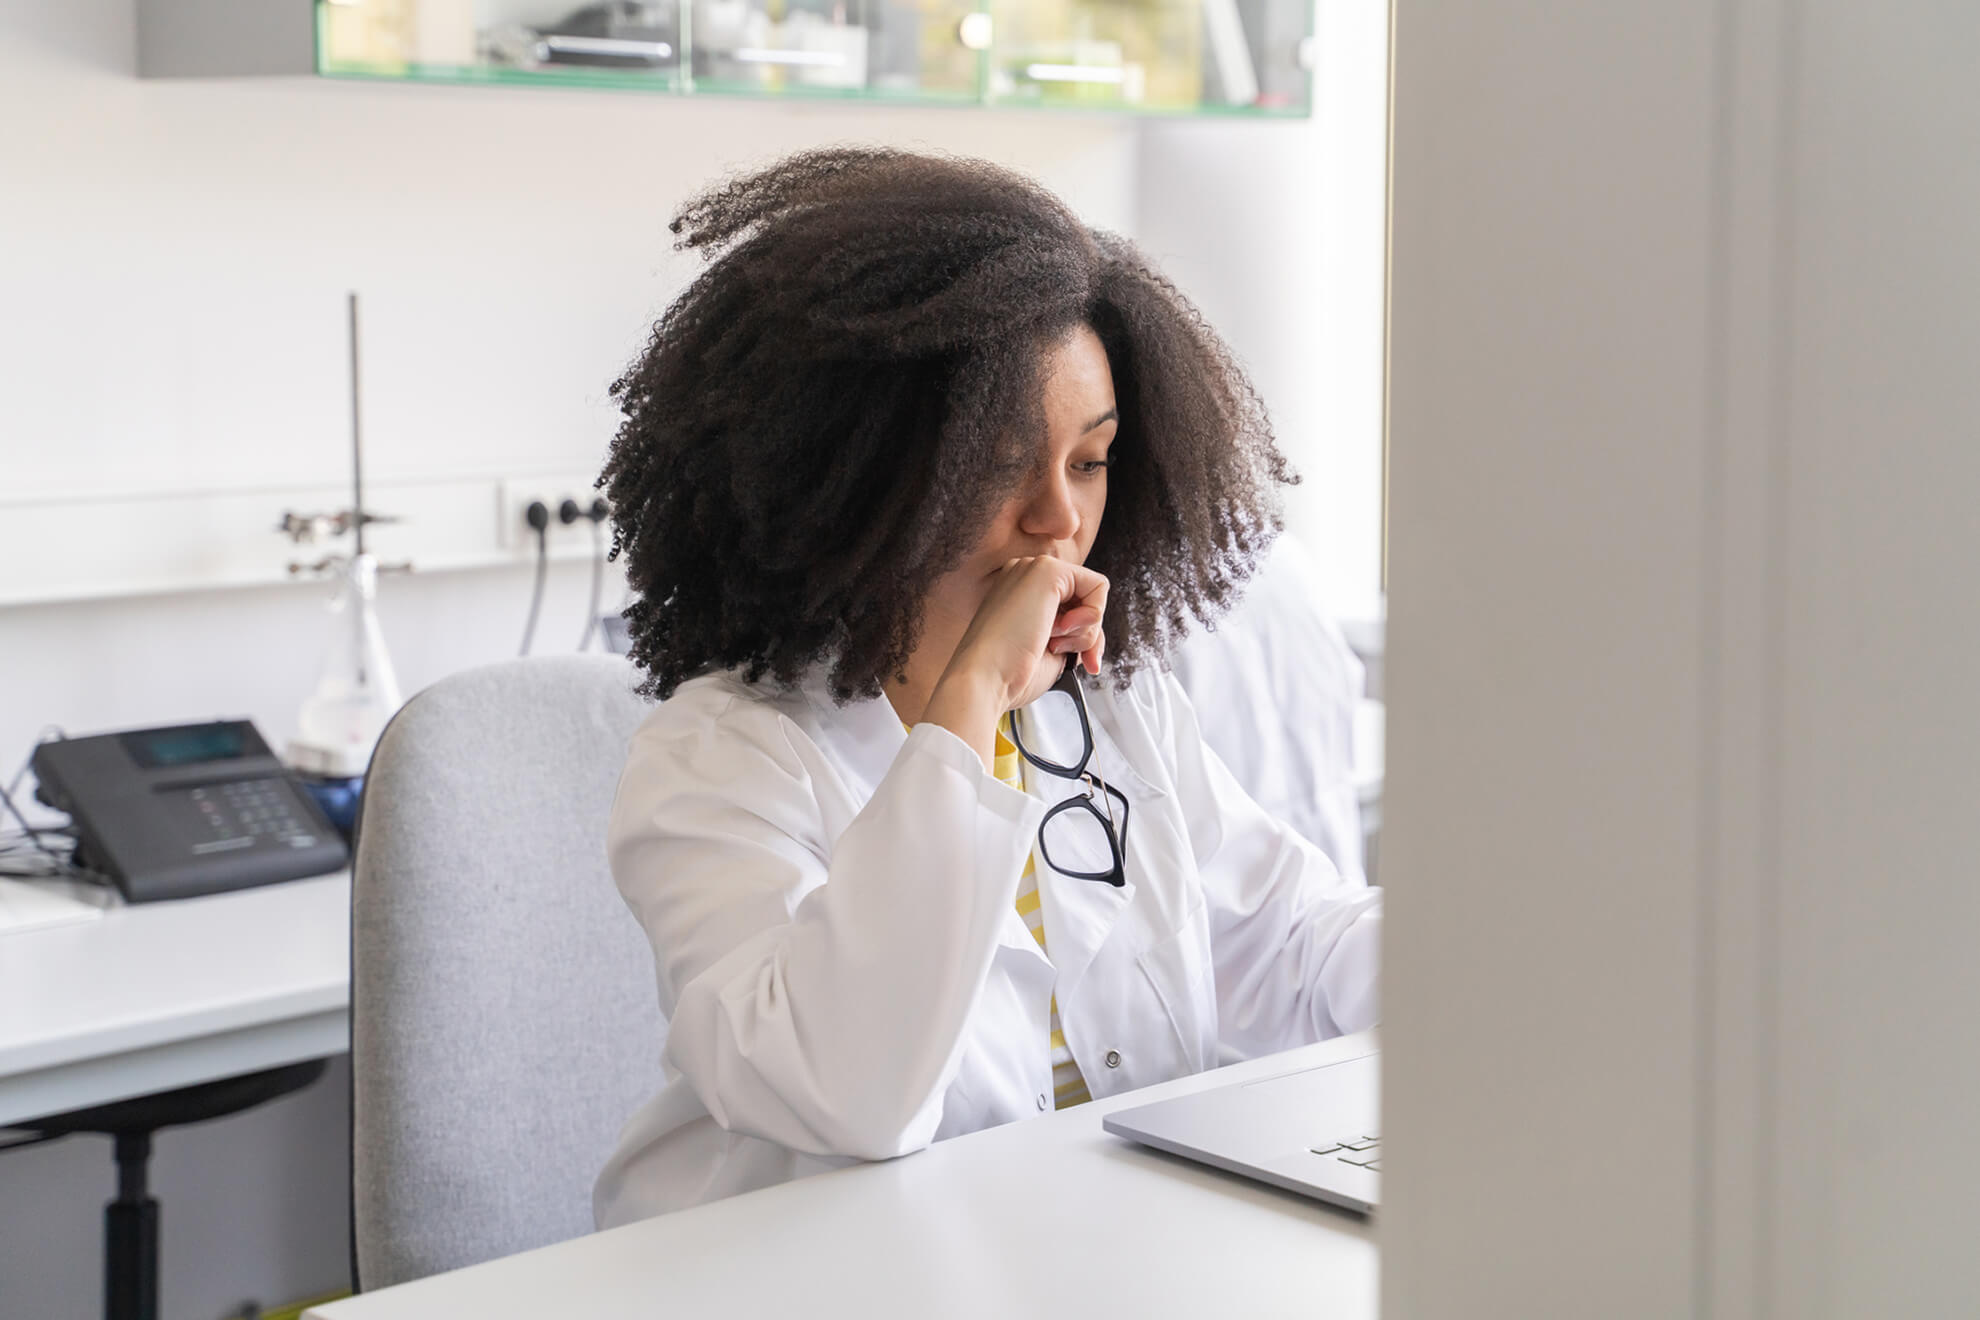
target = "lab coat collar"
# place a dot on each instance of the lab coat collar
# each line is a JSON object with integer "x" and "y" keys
{"x": 861, "y": 738}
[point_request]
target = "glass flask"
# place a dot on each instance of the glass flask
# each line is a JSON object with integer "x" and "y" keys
{"x": 356, "y": 691}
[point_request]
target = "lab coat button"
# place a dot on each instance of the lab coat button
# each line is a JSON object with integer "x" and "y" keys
{"x": 1043, "y": 1100}
{"x": 1113, "y": 1058}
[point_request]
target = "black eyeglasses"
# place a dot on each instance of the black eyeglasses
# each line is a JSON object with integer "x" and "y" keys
{"x": 1102, "y": 805}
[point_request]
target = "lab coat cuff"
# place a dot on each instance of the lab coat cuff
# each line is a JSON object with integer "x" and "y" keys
{"x": 1013, "y": 804}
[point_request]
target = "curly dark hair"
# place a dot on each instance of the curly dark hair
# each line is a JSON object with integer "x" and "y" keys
{"x": 829, "y": 416}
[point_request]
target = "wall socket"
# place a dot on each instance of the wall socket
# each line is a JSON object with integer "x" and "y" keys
{"x": 513, "y": 498}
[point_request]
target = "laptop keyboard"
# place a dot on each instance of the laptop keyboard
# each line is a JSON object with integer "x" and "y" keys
{"x": 1364, "y": 1150}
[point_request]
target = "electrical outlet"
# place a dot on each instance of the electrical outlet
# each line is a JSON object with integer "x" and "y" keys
{"x": 512, "y": 529}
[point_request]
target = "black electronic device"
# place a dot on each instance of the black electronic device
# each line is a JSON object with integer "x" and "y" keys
{"x": 187, "y": 809}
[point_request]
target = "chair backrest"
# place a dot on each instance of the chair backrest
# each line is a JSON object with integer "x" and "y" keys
{"x": 505, "y": 1021}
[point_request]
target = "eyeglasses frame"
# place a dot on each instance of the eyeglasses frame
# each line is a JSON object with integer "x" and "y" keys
{"x": 1068, "y": 682}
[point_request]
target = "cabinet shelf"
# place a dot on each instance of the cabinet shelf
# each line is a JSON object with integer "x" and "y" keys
{"x": 1244, "y": 58}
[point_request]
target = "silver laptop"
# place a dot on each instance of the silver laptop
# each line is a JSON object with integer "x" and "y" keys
{"x": 1314, "y": 1131}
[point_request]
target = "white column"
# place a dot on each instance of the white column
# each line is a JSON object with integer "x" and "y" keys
{"x": 1682, "y": 660}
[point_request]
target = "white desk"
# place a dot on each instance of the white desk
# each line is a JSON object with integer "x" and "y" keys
{"x": 161, "y": 995}
{"x": 1051, "y": 1214}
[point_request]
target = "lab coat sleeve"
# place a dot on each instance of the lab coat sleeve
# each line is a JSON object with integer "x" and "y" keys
{"x": 1296, "y": 948}
{"x": 817, "y": 989}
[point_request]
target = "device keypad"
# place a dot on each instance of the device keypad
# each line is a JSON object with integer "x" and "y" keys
{"x": 249, "y": 809}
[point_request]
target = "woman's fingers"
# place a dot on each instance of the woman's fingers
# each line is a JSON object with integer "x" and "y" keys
{"x": 1076, "y": 619}
{"x": 1091, "y": 594}
{"x": 1076, "y": 642}
{"x": 1035, "y": 608}
{"x": 1088, "y": 647}
{"x": 1077, "y": 629}
{"x": 1088, "y": 587}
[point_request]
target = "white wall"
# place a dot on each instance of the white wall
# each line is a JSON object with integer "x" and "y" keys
{"x": 178, "y": 254}
{"x": 1279, "y": 233}
{"x": 173, "y": 274}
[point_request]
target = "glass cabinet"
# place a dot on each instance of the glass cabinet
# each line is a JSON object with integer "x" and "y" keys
{"x": 882, "y": 48}
{"x": 1157, "y": 56}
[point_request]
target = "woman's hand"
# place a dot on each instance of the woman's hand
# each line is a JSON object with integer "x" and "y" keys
{"x": 1038, "y": 611}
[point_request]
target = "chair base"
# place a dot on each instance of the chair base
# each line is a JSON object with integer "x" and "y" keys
{"x": 130, "y": 1236}
{"x": 130, "y": 1223}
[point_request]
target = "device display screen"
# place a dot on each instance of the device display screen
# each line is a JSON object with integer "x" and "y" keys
{"x": 156, "y": 748}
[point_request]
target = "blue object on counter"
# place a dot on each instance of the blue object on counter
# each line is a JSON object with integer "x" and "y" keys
{"x": 338, "y": 798}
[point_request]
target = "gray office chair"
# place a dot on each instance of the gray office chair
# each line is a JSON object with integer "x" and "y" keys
{"x": 504, "y": 1022}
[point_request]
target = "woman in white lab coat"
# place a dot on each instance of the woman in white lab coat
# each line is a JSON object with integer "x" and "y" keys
{"x": 916, "y": 483}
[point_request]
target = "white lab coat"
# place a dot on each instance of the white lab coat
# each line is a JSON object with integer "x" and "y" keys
{"x": 1275, "y": 687}
{"x": 830, "y": 900}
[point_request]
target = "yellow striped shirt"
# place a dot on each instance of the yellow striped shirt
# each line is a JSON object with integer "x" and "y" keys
{"x": 1068, "y": 1086}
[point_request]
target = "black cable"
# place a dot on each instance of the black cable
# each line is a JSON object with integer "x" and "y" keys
{"x": 54, "y": 859}
{"x": 14, "y": 784}
{"x": 34, "y": 859}
{"x": 31, "y": 842}
{"x": 597, "y": 583}
{"x": 32, "y": 831}
{"x": 539, "y": 518}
